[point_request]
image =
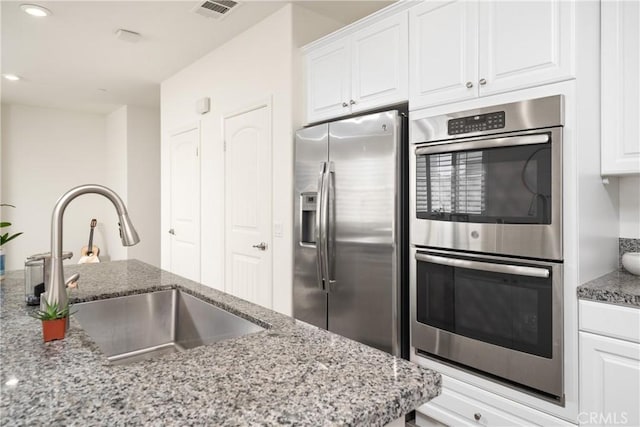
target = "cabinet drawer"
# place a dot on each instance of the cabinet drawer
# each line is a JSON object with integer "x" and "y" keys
{"x": 610, "y": 320}
{"x": 461, "y": 403}
{"x": 452, "y": 408}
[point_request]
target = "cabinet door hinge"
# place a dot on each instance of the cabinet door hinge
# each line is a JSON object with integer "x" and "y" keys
{"x": 224, "y": 145}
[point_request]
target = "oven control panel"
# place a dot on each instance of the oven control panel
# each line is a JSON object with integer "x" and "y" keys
{"x": 477, "y": 123}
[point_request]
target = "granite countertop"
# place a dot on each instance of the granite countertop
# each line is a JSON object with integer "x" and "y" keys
{"x": 291, "y": 373}
{"x": 618, "y": 287}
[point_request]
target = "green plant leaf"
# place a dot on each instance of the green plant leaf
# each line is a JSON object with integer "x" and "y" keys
{"x": 51, "y": 312}
{"x": 5, "y": 224}
{"x": 7, "y": 240}
{"x": 7, "y": 204}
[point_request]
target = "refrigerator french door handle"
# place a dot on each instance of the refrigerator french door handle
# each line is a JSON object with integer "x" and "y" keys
{"x": 319, "y": 226}
{"x": 328, "y": 226}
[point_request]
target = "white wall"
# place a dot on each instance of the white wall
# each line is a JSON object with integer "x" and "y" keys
{"x": 630, "y": 207}
{"x": 133, "y": 170}
{"x": 256, "y": 65}
{"x": 46, "y": 152}
{"x": 143, "y": 181}
{"x": 115, "y": 164}
{"x": 251, "y": 67}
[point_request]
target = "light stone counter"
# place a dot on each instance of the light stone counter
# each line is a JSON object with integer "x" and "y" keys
{"x": 290, "y": 374}
{"x": 618, "y": 287}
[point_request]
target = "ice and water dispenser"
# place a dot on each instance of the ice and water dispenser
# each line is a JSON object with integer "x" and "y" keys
{"x": 308, "y": 202}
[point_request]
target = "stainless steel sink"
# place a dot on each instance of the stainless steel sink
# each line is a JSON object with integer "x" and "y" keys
{"x": 135, "y": 327}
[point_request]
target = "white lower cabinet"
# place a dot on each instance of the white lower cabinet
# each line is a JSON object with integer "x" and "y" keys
{"x": 609, "y": 366}
{"x": 455, "y": 409}
{"x": 462, "y": 404}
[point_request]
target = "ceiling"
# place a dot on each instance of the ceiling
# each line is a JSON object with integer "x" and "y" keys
{"x": 73, "y": 60}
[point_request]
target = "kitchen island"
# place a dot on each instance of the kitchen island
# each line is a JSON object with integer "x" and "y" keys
{"x": 289, "y": 374}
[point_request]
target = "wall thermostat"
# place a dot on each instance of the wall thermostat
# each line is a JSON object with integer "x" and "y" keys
{"x": 203, "y": 105}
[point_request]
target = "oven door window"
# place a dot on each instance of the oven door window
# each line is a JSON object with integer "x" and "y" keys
{"x": 507, "y": 310}
{"x": 506, "y": 185}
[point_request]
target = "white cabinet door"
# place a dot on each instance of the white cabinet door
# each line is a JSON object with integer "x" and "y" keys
{"x": 620, "y": 87}
{"x": 379, "y": 64}
{"x": 328, "y": 81}
{"x": 444, "y": 52}
{"x": 609, "y": 381}
{"x": 524, "y": 44}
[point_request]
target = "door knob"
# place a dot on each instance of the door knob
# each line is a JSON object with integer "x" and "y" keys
{"x": 261, "y": 246}
{"x": 352, "y": 102}
{"x": 344, "y": 104}
{"x": 172, "y": 231}
{"x": 477, "y": 416}
{"x": 483, "y": 82}
{"x": 469, "y": 85}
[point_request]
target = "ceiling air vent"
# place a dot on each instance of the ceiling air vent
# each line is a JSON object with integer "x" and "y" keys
{"x": 216, "y": 8}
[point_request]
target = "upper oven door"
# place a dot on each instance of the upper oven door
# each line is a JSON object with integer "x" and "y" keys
{"x": 495, "y": 194}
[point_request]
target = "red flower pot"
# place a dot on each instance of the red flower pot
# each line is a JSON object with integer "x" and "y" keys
{"x": 53, "y": 329}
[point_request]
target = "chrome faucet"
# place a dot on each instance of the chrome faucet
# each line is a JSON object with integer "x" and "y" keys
{"x": 55, "y": 290}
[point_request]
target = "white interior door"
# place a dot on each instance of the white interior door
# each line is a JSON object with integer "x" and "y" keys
{"x": 185, "y": 204}
{"x": 248, "y": 260}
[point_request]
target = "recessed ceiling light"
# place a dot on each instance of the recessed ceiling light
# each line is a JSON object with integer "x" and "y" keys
{"x": 35, "y": 10}
{"x": 11, "y": 77}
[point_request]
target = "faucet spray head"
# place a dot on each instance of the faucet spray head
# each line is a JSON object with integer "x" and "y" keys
{"x": 128, "y": 233}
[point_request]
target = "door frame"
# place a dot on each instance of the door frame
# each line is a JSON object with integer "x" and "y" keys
{"x": 195, "y": 125}
{"x": 264, "y": 102}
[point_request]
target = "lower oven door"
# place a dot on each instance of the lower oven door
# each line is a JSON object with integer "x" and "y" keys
{"x": 496, "y": 315}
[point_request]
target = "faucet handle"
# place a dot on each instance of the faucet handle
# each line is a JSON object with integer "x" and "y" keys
{"x": 72, "y": 282}
{"x": 45, "y": 255}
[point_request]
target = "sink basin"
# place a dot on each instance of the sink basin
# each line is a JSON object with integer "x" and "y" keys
{"x": 136, "y": 327}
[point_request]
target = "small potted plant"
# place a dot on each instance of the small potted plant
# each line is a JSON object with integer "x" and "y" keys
{"x": 4, "y": 239}
{"x": 54, "y": 321}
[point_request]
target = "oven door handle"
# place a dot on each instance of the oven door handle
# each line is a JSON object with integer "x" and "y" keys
{"x": 450, "y": 146}
{"x": 518, "y": 270}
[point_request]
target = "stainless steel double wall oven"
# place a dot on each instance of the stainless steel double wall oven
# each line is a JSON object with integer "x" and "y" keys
{"x": 486, "y": 242}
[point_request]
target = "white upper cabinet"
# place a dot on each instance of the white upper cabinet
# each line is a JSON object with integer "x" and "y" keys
{"x": 524, "y": 43}
{"x": 379, "y": 57}
{"x": 328, "y": 80}
{"x": 461, "y": 49}
{"x": 364, "y": 68}
{"x": 620, "y": 87}
{"x": 440, "y": 72}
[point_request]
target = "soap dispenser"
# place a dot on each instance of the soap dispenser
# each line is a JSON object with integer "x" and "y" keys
{"x": 36, "y": 273}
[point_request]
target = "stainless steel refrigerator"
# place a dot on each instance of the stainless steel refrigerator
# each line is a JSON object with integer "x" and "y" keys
{"x": 350, "y": 232}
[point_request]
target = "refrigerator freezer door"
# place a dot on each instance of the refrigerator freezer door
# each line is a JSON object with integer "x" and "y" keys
{"x": 364, "y": 300}
{"x": 309, "y": 299}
